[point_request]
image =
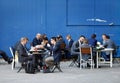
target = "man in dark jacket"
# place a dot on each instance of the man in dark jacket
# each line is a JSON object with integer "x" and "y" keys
{"x": 22, "y": 51}
{"x": 37, "y": 40}
{"x": 55, "y": 53}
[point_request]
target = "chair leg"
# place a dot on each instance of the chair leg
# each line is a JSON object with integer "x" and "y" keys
{"x": 73, "y": 63}
{"x": 14, "y": 64}
{"x": 19, "y": 69}
{"x": 56, "y": 66}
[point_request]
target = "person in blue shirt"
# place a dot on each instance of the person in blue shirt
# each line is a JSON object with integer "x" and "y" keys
{"x": 92, "y": 41}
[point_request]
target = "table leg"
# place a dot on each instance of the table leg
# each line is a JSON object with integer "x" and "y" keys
{"x": 97, "y": 59}
{"x": 111, "y": 59}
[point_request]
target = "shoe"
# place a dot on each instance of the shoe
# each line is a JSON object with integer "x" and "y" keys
{"x": 96, "y": 66}
{"x": 88, "y": 65}
{"x": 10, "y": 61}
{"x": 107, "y": 60}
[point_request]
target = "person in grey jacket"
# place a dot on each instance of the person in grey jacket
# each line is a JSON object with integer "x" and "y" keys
{"x": 107, "y": 43}
{"x": 75, "y": 48}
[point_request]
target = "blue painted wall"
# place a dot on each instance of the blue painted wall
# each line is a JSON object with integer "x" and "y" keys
{"x": 27, "y": 17}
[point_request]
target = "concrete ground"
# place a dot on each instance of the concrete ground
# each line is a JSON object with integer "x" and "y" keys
{"x": 105, "y": 74}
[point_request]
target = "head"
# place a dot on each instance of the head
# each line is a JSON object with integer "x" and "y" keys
{"x": 44, "y": 35}
{"x": 59, "y": 37}
{"x": 104, "y": 36}
{"x": 93, "y": 36}
{"x": 24, "y": 40}
{"x": 85, "y": 41}
{"x": 68, "y": 37}
{"x": 82, "y": 38}
{"x": 38, "y": 35}
{"x": 53, "y": 40}
{"x": 45, "y": 40}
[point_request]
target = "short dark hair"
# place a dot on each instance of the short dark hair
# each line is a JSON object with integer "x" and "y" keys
{"x": 45, "y": 38}
{"x": 82, "y": 36}
{"x": 107, "y": 36}
{"x": 54, "y": 38}
{"x": 93, "y": 36}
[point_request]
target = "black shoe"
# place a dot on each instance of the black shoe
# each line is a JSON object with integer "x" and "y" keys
{"x": 88, "y": 65}
{"x": 10, "y": 61}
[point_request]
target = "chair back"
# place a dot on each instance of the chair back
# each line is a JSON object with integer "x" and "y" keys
{"x": 15, "y": 57}
{"x": 12, "y": 51}
{"x": 62, "y": 46}
{"x": 86, "y": 50}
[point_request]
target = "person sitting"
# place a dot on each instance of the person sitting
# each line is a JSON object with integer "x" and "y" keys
{"x": 69, "y": 45}
{"x": 75, "y": 48}
{"x": 23, "y": 53}
{"x": 85, "y": 45}
{"x": 55, "y": 53}
{"x": 37, "y": 40}
{"x": 5, "y": 57}
{"x": 93, "y": 43}
{"x": 107, "y": 43}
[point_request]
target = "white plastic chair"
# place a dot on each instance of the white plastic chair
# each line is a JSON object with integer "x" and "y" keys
{"x": 15, "y": 57}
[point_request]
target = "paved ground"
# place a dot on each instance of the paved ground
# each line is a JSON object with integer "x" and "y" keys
{"x": 69, "y": 75}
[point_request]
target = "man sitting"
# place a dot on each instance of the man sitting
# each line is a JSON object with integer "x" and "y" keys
{"x": 22, "y": 52}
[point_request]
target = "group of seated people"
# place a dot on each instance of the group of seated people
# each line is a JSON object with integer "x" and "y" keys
{"x": 53, "y": 47}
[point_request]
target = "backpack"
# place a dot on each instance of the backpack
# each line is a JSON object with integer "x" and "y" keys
{"x": 29, "y": 68}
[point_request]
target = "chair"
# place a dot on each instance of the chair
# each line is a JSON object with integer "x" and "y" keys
{"x": 62, "y": 47}
{"x": 116, "y": 54}
{"x": 88, "y": 51}
{"x": 15, "y": 57}
{"x": 56, "y": 66}
{"x": 74, "y": 61}
{"x": 22, "y": 66}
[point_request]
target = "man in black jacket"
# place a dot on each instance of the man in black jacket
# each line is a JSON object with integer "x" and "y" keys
{"x": 23, "y": 53}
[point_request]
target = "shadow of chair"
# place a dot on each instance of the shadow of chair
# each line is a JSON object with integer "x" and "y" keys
{"x": 15, "y": 57}
{"x": 86, "y": 51}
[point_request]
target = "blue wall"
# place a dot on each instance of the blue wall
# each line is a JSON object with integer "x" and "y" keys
{"x": 27, "y": 17}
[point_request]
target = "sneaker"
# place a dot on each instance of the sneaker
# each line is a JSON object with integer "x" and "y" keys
{"x": 10, "y": 61}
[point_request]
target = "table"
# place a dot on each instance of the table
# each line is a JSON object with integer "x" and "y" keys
{"x": 37, "y": 52}
{"x": 104, "y": 50}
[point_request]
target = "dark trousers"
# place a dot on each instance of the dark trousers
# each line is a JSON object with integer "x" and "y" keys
{"x": 4, "y": 55}
{"x": 29, "y": 58}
